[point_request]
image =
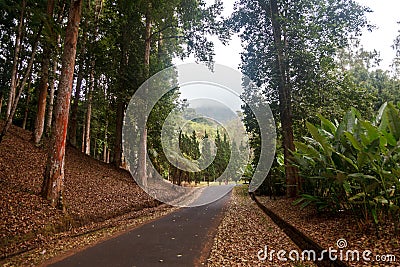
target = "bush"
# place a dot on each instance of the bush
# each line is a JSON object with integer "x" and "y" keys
{"x": 353, "y": 165}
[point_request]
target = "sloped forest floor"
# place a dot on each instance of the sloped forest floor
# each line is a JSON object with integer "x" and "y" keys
{"x": 326, "y": 229}
{"x": 100, "y": 201}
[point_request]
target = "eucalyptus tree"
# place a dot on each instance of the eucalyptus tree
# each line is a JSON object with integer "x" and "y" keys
{"x": 53, "y": 182}
{"x": 48, "y": 47}
{"x": 289, "y": 50}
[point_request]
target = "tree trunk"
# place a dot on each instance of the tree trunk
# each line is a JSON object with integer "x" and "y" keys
{"x": 118, "y": 133}
{"x": 13, "y": 83}
{"x": 22, "y": 85}
{"x": 28, "y": 100}
{"x": 292, "y": 176}
{"x": 142, "y": 168}
{"x": 88, "y": 116}
{"x": 43, "y": 85}
{"x": 83, "y": 137}
{"x": 51, "y": 98}
{"x": 74, "y": 110}
{"x": 53, "y": 77}
{"x": 53, "y": 182}
{"x": 1, "y": 100}
{"x": 120, "y": 107}
{"x": 97, "y": 11}
{"x": 105, "y": 144}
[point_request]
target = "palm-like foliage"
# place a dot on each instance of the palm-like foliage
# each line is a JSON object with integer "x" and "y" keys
{"x": 354, "y": 164}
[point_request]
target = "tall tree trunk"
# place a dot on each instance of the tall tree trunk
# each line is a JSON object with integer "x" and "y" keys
{"x": 83, "y": 137}
{"x": 142, "y": 168}
{"x": 285, "y": 107}
{"x": 88, "y": 116}
{"x": 74, "y": 110}
{"x": 105, "y": 144}
{"x": 53, "y": 182}
{"x": 52, "y": 88}
{"x": 13, "y": 83}
{"x": 1, "y": 100}
{"x": 51, "y": 97}
{"x": 21, "y": 86}
{"x": 97, "y": 11}
{"x": 118, "y": 133}
{"x": 120, "y": 107}
{"x": 28, "y": 100}
{"x": 43, "y": 85}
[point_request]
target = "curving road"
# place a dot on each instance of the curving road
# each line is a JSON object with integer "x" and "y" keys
{"x": 182, "y": 238}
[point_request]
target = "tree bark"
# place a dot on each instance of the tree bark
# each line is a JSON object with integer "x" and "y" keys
{"x": 53, "y": 77}
{"x": 1, "y": 100}
{"x": 97, "y": 11}
{"x": 88, "y": 116}
{"x": 105, "y": 144}
{"x": 43, "y": 85}
{"x": 53, "y": 182}
{"x": 142, "y": 168}
{"x": 118, "y": 133}
{"x": 13, "y": 83}
{"x": 28, "y": 100}
{"x": 292, "y": 176}
{"x": 51, "y": 98}
{"x": 74, "y": 110}
{"x": 120, "y": 107}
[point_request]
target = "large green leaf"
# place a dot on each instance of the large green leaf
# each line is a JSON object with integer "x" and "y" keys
{"x": 347, "y": 124}
{"x": 380, "y": 113}
{"x": 357, "y": 145}
{"x": 347, "y": 160}
{"x": 322, "y": 140}
{"x": 307, "y": 149}
{"x": 327, "y": 125}
{"x": 372, "y": 132}
{"x": 363, "y": 176}
{"x": 393, "y": 118}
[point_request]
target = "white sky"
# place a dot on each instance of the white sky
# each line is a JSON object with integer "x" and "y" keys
{"x": 384, "y": 16}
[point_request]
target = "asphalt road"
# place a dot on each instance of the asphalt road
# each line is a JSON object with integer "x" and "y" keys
{"x": 182, "y": 238}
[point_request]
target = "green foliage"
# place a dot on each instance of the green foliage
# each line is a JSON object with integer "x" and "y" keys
{"x": 353, "y": 165}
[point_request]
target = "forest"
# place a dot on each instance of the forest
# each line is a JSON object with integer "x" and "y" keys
{"x": 70, "y": 68}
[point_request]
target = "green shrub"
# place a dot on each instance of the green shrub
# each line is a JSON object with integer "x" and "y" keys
{"x": 353, "y": 165}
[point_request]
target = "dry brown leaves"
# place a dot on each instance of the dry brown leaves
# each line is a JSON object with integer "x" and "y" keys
{"x": 245, "y": 230}
{"x": 326, "y": 229}
{"x": 94, "y": 192}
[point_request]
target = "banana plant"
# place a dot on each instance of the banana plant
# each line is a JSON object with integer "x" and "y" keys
{"x": 354, "y": 164}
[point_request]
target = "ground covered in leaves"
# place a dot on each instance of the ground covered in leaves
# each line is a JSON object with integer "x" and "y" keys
{"x": 326, "y": 229}
{"x": 95, "y": 193}
{"x": 244, "y": 231}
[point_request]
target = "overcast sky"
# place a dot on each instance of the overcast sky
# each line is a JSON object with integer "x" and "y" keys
{"x": 385, "y": 15}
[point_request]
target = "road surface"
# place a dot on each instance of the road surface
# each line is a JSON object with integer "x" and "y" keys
{"x": 182, "y": 238}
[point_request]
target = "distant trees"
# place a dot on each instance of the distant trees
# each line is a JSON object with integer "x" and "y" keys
{"x": 190, "y": 148}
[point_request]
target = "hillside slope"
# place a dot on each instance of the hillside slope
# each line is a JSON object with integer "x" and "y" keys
{"x": 94, "y": 192}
